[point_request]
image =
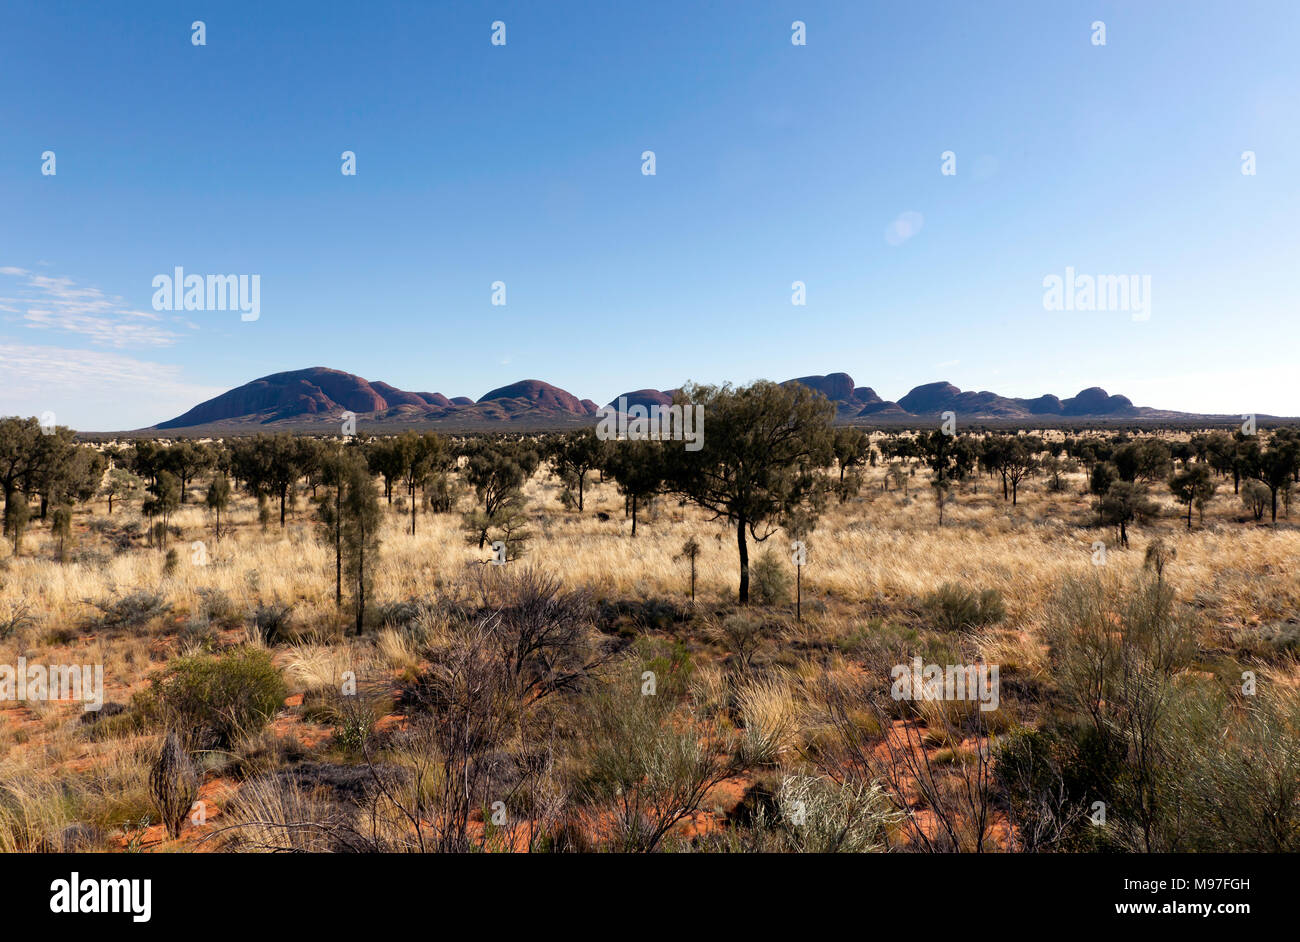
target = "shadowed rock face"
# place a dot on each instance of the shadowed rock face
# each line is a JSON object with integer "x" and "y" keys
{"x": 284, "y": 395}
{"x": 850, "y": 400}
{"x": 393, "y": 396}
{"x": 1045, "y": 405}
{"x": 866, "y": 394}
{"x": 935, "y": 398}
{"x": 324, "y": 392}
{"x": 319, "y": 394}
{"x": 837, "y": 387}
{"x": 1096, "y": 401}
{"x": 645, "y": 397}
{"x": 932, "y": 397}
{"x": 881, "y": 408}
{"x": 541, "y": 395}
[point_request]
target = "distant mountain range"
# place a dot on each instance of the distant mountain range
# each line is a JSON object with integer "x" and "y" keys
{"x": 936, "y": 398}
{"x": 311, "y": 399}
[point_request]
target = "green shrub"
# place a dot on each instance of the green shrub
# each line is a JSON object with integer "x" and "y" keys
{"x": 129, "y": 611}
{"x": 953, "y": 608}
{"x": 1237, "y": 792}
{"x": 218, "y": 607}
{"x": 672, "y": 666}
{"x": 742, "y": 636}
{"x": 213, "y": 700}
{"x": 649, "y": 769}
{"x": 354, "y": 724}
{"x": 1048, "y": 780}
{"x": 1255, "y": 497}
{"x": 880, "y": 644}
{"x": 273, "y": 622}
{"x": 770, "y": 579}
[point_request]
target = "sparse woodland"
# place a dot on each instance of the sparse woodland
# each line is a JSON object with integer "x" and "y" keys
{"x": 555, "y": 643}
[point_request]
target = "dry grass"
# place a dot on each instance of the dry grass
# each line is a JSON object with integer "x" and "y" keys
{"x": 871, "y": 560}
{"x": 879, "y": 547}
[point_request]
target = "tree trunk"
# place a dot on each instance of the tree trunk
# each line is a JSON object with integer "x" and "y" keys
{"x": 744, "y": 561}
{"x": 634, "y": 515}
{"x": 361, "y": 580}
{"x": 338, "y": 547}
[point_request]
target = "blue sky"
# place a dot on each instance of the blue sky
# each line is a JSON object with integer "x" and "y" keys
{"x": 522, "y": 164}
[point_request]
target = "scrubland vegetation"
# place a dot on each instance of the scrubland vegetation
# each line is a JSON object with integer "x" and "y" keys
{"x": 552, "y": 643}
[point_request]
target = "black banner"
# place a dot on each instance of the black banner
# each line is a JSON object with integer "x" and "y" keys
{"x": 345, "y": 891}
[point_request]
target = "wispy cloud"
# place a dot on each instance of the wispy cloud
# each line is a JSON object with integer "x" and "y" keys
{"x": 93, "y": 389}
{"x": 42, "y": 302}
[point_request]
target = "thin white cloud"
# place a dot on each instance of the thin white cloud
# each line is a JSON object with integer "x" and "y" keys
{"x": 42, "y": 302}
{"x": 92, "y": 389}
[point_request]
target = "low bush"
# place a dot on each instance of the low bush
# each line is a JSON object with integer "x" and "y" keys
{"x": 953, "y": 608}
{"x": 218, "y": 607}
{"x": 771, "y": 579}
{"x": 213, "y": 700}
{"x": 273, "y": 622}
{"x": 129, "y": 611}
